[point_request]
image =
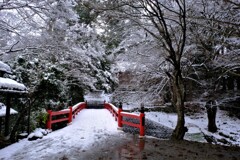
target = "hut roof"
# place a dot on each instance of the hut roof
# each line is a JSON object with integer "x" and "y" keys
{"x": 11, "y": 86}
{"x": 3, "y": 110}
{"x": 5, "y": 68}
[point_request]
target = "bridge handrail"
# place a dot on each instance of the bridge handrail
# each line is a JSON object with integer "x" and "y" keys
{"x": 130, "y": 115}
{"x": 77, "y": 105}
{"x": 61, "y": 112}
{"x": 119, "y": 114}
{"x": 113, "y": 109}
{"x": 71, "y": 112}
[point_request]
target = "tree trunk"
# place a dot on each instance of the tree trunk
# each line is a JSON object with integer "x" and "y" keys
{"x": 0, "y": 125}
{"x": 178, "y": 94}
{"x": 224, "y": 83}
{"x": 211, "y": 113}
{"x": 230, "y": 83}
{"x": 238, "y": 83}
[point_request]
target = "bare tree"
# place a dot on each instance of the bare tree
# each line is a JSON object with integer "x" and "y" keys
{"x": 166, "y": 22}
{"x": 214, "y": 29}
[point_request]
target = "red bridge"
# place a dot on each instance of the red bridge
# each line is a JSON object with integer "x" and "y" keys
{"x": 120, "y": 116}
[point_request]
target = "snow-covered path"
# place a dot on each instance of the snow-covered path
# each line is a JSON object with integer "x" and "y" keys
{"x": 89, "y": 128}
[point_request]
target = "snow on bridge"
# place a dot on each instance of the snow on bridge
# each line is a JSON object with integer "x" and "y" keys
{"x": 119, "y": 115}
{"x": 91, "y": 126}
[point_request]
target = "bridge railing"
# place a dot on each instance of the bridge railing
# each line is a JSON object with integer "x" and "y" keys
{"x": 119, "y": 116}
{"x": 113, "y": 109}
{"x": 69, "y": 113}
{"x": 78, "y": 107}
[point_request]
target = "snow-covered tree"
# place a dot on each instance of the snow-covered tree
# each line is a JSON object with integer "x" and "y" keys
{"x": 62, "y": 37}
{"x": 53, "y": 51}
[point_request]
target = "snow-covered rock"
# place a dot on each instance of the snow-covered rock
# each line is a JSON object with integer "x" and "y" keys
{"x": 37, "y": 133}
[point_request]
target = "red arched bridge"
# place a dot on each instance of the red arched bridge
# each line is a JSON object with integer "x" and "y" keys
{"x": 117, "y": 112}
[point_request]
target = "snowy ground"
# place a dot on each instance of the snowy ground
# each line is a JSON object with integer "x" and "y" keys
{"x": 228, "y": 127}
{"x": 197, "y": 124}
{"x": 89, "y": 127}
{"x": 94, "y": 128}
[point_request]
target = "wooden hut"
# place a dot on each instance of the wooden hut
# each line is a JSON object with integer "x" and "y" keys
{"x": 8, "y": 89}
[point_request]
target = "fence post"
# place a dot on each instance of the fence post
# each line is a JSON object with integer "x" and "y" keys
{"x": 142, "y": 122}
{"x": 70, "y": 115}
{"x": 85, "y": 106}
{"x": 49, "y": 122}
{"x": 115, "y": 115}
{"x": 120, "y": 116}
{"x": 77, "y": 109}
{"x": 74, "y": 113}
{"x": 113, "y": 112}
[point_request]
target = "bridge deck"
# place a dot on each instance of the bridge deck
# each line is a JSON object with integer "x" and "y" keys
{"x": 93, "y": 120}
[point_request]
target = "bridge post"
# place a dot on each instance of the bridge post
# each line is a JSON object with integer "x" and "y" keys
{"x": 120, "y": 116}
{"x": 70, "y": 115}
{"x": 49, "y": 122}
{"x": 142, "y": 122}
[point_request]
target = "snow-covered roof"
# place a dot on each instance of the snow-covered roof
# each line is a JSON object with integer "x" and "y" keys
{"x": 9, "y": 85}
{"x": 5, "y": 68}
{"x": 95, "y": 96}
{"x": 3, "y": 110}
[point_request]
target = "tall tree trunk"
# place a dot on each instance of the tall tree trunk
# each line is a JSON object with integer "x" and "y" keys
{"x": 178, "y": 94}
{"x": 0, "y": 125}
{"x": 230, "y": 83}
{"x": 211, "y": 113}
{"x": 224, "y": 83}
{"x": 238, "y": 83}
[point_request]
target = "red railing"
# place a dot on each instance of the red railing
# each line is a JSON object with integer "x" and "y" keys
{"x": 119, "y": 114}
{"x": 69, "y": 113}
{"x": 114, "y": 110}
{"x": 78, "y": 107}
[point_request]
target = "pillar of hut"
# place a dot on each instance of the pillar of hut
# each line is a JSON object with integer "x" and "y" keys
{"x": 7, "y": 117}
